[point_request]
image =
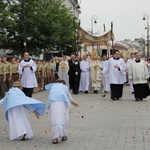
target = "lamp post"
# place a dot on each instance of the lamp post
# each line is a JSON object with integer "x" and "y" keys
{"x": 24, "y": 25}
{"x": 146, "y": 18}
{"x": 76, "y": 6}
{"x": 93, "y": 20}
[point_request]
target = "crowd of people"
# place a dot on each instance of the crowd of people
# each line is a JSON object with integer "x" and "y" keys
{"x": 89, "y": 73}
{"x": 60, "y": 75}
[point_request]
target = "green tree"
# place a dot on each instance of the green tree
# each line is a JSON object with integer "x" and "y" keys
{"x": 48, "y": 24}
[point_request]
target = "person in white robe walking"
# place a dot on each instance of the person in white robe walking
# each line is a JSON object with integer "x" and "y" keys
{"x": 129, "y": 61}
{"x": 116, "y": 68}
{"x": 63, "y": 70}
{"x": 58, "y": 109}
{"x": 95, "y": 73}
{"x": 85, "y": 74}
{"x": 27, "y": 69}
{"x": 105, "y": 77}
{"x": 138, "y": 73}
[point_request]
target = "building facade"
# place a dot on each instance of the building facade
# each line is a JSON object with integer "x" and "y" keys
{"x": 74, "y": 5}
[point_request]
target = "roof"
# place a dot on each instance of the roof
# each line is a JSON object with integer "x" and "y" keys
{"x": 99, "y": 43}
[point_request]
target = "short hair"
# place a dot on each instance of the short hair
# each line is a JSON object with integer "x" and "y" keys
{"x": 60, "y": 81}
{"x": 131, "y": 53}
{"x": 104, "y": 55}
{"x": 136, "y": 53}
{"x": 17, "y": 84}
{"x": 116, "y": 51}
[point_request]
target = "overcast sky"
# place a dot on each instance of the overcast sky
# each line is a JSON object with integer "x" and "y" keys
{"x": 126, "y": 16}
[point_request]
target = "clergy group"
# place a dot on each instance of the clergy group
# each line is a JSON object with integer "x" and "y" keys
{"x": 87, "y": 74}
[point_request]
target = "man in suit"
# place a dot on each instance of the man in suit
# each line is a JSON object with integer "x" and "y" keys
{"x": 74, "y": 74}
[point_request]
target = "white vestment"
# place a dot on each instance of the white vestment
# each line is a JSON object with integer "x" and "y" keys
{"x": 116, "y": 76}
{"x": 138, "y": 72}
{"x": 28, "y": 79}
{"x": 128, "y": 65}
{"x": 85, "y": 75}
{"x": 105, "y": 77}
{"x": 63, "y": 72}
{"x": 96, "y": 76}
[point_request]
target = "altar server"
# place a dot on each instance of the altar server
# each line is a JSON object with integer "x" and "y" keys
{"x": 116, "y": 68}
{"x": 27, "y": 69}
{"x": 105, "y": 77}
{"x": 85, "y": 75}
{"x": 138, "y": 73}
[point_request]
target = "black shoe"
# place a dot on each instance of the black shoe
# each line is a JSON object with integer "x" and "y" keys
{"x": 141, "y": 99}
{"x": 95, "y": 91}
{"x": 24, "y": 137}
{"x": 75, "y": 93}
{"x": 113, "y": 98}
{"x": 137, "y": 99}
{"x": 86, "y": 92}
{"x": 133, "y": 92}
{"x": 103, "y": 95}
{"x": 117, "y": 98}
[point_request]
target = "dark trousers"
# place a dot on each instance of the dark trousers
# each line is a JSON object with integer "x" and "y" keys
{"x": 28, "y": 91}
{"x": 141, "y": 90}
{"x": 2, "y": 87}
{"x": 74, "y": 83}
{"x": 116, "y": 90}
{"x": 8, "y": 83}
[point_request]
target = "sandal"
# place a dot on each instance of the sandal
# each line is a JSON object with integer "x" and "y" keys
{"x": 64, "y": 138}
{"x": 24, "y": 137}
{"x": 55, "y": 141}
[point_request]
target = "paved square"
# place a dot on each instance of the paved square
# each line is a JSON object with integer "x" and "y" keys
{"x": 97, "y": 124}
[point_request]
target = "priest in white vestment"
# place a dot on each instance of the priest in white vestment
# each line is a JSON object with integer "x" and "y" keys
{"x": 85, "y": 75}
{"x": 105, "y": 77}
{"x": 27, "y": 70}
{"x": 116, "y": 68}
{"x": 138, "y": 73}
{"x": 63, "y": 70}
{"x": 95, "y": 72}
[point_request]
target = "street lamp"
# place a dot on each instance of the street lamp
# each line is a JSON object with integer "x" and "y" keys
{"x": 93, "y": 20}
{"x": 76, "y": 7}
{"x": 146, "y": 18}
{"x": 24, "y": 25}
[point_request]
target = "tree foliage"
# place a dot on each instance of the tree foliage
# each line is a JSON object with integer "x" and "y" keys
{"x": 48, "y": 24}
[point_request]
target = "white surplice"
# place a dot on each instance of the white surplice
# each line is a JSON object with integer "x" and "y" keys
{"x": 85, "y": 75}
{"x": 138, "y": 72}
{"x": 105, "y": 77}
{"x": 116, "y": 76}
{"x": 129, "y": 61}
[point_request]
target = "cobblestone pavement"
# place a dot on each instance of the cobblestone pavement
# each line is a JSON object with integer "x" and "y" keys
{"x": 97, "y": 124}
